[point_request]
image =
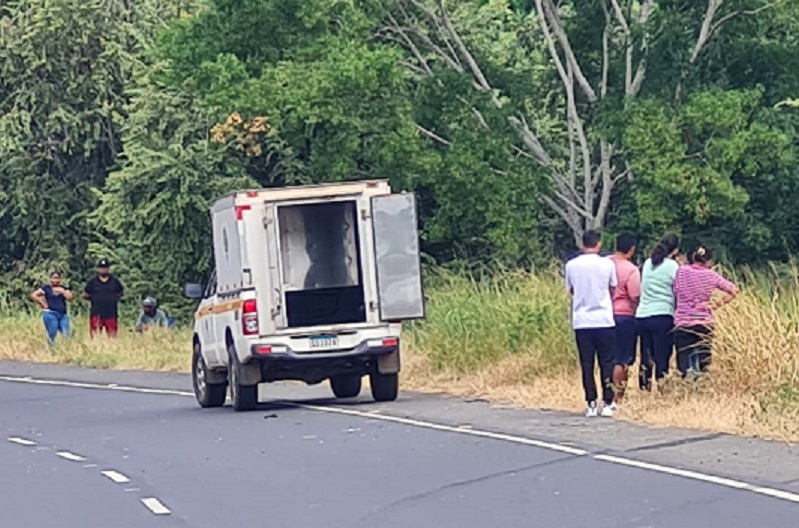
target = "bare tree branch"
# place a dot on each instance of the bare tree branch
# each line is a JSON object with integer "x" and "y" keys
{"x": 480, "y": 118}
{"x": 572, "y": 220}
{"x": 464, "y": 52}
{"x": 706, "y": 28}
{"x": 444, "y": 25}
{"x": 531, "y": 141}
{"x": 409, "y": 44}
{"x": 621, "y": 177}
{"x": 710, "y": 26}
{"x": 432, "y": 135}
{"x": 549, "y": 11}
{"x": 607, "y": 183}
{"x": 603, "y": 86}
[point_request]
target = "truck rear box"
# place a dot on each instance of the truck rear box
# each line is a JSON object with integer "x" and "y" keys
{"x": 326, "y": 256}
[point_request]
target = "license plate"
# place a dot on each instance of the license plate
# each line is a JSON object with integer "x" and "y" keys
{"x": 324, "y": 341}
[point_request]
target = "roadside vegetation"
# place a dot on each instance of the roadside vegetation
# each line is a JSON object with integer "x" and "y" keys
{"x": 517, "y": 123}
{"x": 507, "y": 339}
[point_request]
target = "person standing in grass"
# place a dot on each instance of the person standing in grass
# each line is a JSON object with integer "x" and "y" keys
{"x": 53, "y": 299}
{"x": 694, "y": 286}
{"x": 590, "y": 278}
{"x": 104, "y": 291}
{"x": 625, "y": 301}
{"x": 655, "y": 312}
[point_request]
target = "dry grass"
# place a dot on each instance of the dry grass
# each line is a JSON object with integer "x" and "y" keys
{"x": 508, "y": 340}
{"x": 23, "y": 339}
{"x": 527, "y": 356}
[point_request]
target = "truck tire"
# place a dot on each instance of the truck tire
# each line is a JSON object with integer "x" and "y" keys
{"x": 207, "y": 394}
{"x": 385, "y": 387}
{"x": 244, "y": 397}
{"x": 346, "y": 386}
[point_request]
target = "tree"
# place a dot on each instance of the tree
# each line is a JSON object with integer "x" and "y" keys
{"x": 64, "y": 69}
{"x": 600, "y": 53}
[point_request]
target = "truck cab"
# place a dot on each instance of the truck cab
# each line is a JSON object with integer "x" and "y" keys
{"x": 311, "y": 283}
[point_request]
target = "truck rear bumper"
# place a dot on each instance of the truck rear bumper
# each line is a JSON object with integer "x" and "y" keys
{"x": 280, "y": 362}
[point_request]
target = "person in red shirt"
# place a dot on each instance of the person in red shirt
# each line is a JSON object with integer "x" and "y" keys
{"x": 625, "y": 301}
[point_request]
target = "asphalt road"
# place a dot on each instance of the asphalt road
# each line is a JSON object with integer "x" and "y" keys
{"x": 283, "y": 466}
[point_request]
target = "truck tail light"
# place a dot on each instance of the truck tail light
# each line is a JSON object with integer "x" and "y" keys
{"x": 390, "y": 342}
{"x": 249, "y": 317}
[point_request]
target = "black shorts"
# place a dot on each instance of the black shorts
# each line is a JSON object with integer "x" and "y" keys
{"x": 626, "y": 339}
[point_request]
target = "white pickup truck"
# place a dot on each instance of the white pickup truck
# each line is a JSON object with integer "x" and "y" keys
{"x": 311, "y": 283}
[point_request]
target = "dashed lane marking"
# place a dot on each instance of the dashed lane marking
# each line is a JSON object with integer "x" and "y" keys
{"x": 376, "y": 415}
{"x": 66, "y": 455}
{"x": 21, "y": 441}
{"x": 155, "y": 506}
{"x": 115, "y": 476}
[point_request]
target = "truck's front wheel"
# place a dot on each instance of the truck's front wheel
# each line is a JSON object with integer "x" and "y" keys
{"x": 244, "y": 397}
{"x": 207, "y": 394}
{"x": 347, "y": 386}
{"x": 385, "y": 387}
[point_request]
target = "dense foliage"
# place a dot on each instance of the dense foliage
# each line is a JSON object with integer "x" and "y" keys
{"x": 518, "y": 122}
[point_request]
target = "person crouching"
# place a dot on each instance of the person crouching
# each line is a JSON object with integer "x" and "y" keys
{"x": 150, "y": 316}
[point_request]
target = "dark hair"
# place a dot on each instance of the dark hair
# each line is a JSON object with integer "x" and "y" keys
{"x": 591, "y": 239}
{"x": 54, "y": 273}
{"x": 702, "y": 255}
{"x": 625, "y": 241}
{"x": 668, "y": 243}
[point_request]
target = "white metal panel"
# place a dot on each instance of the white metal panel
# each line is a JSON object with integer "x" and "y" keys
{"x": 368, "y": 260}
{"x": 399, "y": 269}
{"x": 227, "y": 251}
{"x": 275, "y": 292}
{"x": 319, "y": 192}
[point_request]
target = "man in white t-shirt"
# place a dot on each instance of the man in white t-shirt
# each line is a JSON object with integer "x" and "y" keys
{"x": 591, "y": 278}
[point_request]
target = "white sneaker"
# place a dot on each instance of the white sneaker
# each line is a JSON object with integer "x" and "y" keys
{"x": 609, "y": 410}
{"x": 591, "y": 410}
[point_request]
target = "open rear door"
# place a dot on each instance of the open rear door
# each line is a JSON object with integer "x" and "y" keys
{"x": 399, "y": 268}
{"x": 275, "y": 284}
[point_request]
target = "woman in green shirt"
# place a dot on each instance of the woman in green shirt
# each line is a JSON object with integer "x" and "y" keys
{"x": 655, "y": 312}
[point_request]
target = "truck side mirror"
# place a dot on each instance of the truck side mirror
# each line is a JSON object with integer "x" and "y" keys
{"x": 194, "y": 291}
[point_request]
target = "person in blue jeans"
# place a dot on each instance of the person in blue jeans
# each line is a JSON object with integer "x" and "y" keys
{"x": 53, "y": 299}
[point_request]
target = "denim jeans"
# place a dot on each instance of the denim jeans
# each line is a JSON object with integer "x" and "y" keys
{"x": 54, "y": 323}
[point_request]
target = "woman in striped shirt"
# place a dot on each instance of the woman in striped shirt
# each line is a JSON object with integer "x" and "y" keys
{"x": 694, "y": 286}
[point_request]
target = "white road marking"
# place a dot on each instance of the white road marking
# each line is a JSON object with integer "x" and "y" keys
{"x": 115, "y": 476}
{"x": 376, "y": 415}
{"x": 777, "y": 494}
{"x": 21, "y": 441}
{"x": 155, "y": 506}
{"x": 439, "y": 427}
{"x": 71, "y": 456}
{"x": 721, "y": 481}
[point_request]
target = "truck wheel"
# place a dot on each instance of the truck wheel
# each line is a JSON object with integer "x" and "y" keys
{"x": 244, "y": 397}
{"x": 207, "y": 394}
{"x": 385, "y": 387}
{"x": 347, "y": 386}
